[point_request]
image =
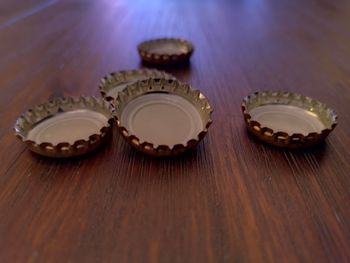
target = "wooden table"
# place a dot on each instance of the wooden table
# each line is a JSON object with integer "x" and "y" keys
{"x": 231, "y": 200}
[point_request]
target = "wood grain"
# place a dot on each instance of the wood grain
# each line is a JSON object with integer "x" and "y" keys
{"x": 233, "y": 199}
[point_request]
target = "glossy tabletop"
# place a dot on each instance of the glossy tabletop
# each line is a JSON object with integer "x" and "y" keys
{"x": 233, "y": 199}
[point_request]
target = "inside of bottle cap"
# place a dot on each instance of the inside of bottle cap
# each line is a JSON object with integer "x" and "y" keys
{"x": 68, "y": 127}
{"x": 287, "y": 118}
{"x": 118, "y": 87}
{"x": 162, "y": 119}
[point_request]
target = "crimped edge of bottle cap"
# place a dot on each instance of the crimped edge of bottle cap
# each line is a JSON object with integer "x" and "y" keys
{"x": 114, "y": 79}
{"x": 168, "y": 86}
{"x": 281, "y": 138}
{"x": 26, "y": 121}
{"x": 167, "y": 57}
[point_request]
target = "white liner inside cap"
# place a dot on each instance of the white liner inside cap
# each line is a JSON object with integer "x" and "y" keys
{"x": 287, "y": 118}
{"x": 68, "y": 127}
{"x": 162, "y": 119}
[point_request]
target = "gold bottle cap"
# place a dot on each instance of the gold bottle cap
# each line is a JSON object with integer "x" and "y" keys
{"x": 115, "y": 82}
{"x": 162, "y": 117}
{"x": 165, "y": 51}
{"x": 287, "y": 119}
{"x": 65, "y": 127}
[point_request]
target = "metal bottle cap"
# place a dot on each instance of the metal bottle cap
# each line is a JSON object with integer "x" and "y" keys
{"x": 115, "y": 82}
{"x": 165, "y": 51}
{"x": 65, "y": 127}
{"x": 287, "y": 119}
{"x": 162, "y": 117}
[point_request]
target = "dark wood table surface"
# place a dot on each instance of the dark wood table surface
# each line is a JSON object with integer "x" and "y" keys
{"x": 233, "y": 199}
